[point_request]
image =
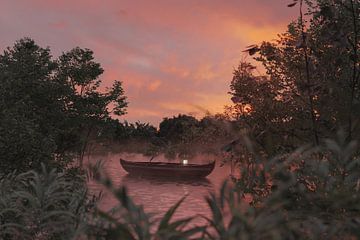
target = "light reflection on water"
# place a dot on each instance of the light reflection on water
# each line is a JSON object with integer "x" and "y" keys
{"x": 158, "y": 195}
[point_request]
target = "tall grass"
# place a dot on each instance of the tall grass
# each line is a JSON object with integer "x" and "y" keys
{"x": 42, "y": 205}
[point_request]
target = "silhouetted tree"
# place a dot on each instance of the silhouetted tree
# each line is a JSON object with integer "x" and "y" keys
{"x": 311, "y": 87}
{"x": 48, "y": 108}
{"x": 86, "y": 105}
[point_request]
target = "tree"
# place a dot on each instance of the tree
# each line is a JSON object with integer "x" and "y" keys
{"x": 177, "y": 134}
{"x": 48, "y": 108}
{"x": 266, "y": 110}
{"x": 178, "y": 129}
{"x": 86, "y": 105}
{"x": 185, "y": 135}
{"x": 29, "y": 106}
{"x": 312, "y": 75}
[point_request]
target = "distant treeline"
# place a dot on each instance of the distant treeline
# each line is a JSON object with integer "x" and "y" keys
{"x": 178, "y": 135}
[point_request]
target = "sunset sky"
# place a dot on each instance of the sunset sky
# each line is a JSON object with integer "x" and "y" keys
{"x": 173, "y": 56}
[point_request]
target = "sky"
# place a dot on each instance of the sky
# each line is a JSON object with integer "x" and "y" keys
{"x": 172, "y": 56}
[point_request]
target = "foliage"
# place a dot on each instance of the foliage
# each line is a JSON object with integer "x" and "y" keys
{"x": 312, "y": 193}
{"x": 261, "y": 111}
{"x": 135, "y": 131}
{"x": 50, "y": 108}
{"x": 178, "y": 129}
{"x": 29, "y": 107}
{"x": 180, "y": 135}
{"x": 42, "y": 205}
{"x": 322, "y": 186}
{"x": 87, "y": 106}
{"x": 186, "y": 136}
{"x": 312, "y": 83}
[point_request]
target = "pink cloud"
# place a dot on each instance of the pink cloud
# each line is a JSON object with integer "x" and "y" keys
{"x": 59, "y": 24}
{"x": 153, "y": 86}
{"x": 172, "y": 56}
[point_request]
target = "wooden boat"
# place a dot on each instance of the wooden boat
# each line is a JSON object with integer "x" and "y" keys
{"x": 162, "y": 169}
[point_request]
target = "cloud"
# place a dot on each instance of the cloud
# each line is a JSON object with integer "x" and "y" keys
{"x": 59, "y": 24}
{"x": 172, "y": 56}
{"x": 153, "y": 86}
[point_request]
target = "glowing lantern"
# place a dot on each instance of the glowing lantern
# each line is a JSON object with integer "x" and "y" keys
{"x": 185, "y": 162}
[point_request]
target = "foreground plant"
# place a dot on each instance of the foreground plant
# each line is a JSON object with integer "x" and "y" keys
{"x": 312, "y": 193}
{"x": 42, "y": 205}
{"x": 321, "y": 186}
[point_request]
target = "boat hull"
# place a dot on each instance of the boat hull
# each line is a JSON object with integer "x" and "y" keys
{"x": 174, "y": 170}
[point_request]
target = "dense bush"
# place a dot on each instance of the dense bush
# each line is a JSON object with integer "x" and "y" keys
{"x": 50, "y": 108}
{"x": 312, "y": 193}
{"x": 312, "y": 81}
{"x": 42, "y": 205}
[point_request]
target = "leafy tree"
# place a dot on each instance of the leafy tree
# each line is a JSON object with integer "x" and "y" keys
{"x": 185, "y": 135}
{"x": 213, "y": 132}
{"x": 87, "y": 107}
{"x": 266, "y": 110}
{"x": 30, "y": 108}
{"x": 178, "y": 135}
{"x": 312, "y": 83}
{"x": 177, "y": 129}
{"x": 49, "y": 108}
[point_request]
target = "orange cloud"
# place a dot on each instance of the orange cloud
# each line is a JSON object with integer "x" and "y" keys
{"x": 153, "y": 86}
{"x": 172, "y": 56}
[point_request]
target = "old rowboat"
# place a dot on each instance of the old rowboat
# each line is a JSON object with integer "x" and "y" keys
{"x": 162, "y": 169}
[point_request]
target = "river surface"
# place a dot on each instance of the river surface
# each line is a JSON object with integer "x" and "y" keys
{"x": 158, "y": 195}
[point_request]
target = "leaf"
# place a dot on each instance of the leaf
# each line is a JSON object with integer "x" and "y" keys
{"x": 57, "y": 214}
{"x": 217, "y": 219}
{"x": 121, "y": 230}
{"x": 251, "y": 46}
{"x": 292, "y": 4}
{"x": 222, "y": 194}
{"x": 252, "y": 49}
{"x": 179, "y": 223}
{"x": 236, "y": 99}
{"x": 193, "y": 231}
{"x": 120, "y": 233}
{"x": 230, "y": 146}
{"x": 165, "y": 220}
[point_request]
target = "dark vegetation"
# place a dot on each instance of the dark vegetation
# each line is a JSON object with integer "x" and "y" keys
{"x": 293, "y": 132}
{"x": 173, "y": 138}
{"x": 50, "y": 108}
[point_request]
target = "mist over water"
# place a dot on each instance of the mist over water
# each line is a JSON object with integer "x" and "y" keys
{"x": 158, "y": 195}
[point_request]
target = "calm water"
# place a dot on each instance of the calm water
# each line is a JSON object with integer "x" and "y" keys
{"x": 158, "y": 195}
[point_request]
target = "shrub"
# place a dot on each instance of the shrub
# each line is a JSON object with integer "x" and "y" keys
{"x": 42, "y": 205}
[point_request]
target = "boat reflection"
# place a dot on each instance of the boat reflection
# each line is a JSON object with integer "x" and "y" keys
{"x": 130, "y": 179}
